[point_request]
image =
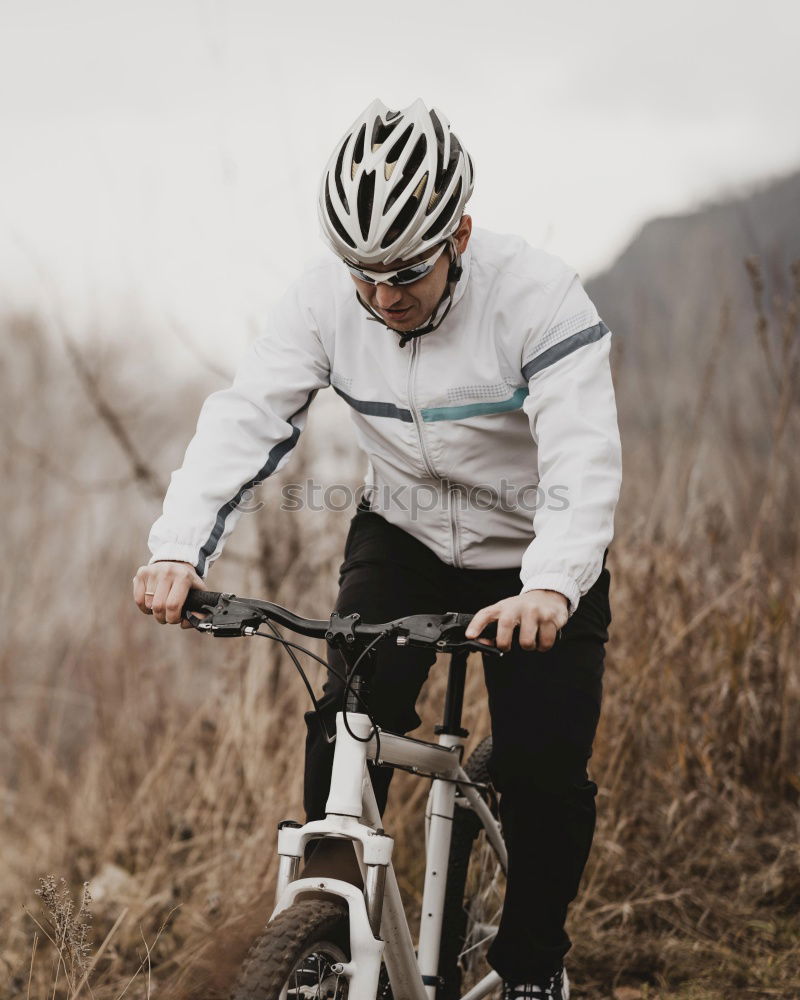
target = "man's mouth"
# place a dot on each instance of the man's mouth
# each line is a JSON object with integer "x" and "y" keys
{"x": 394, "y": 314}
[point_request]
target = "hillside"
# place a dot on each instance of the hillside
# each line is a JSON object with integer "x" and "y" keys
{"x": 663, "y": 294}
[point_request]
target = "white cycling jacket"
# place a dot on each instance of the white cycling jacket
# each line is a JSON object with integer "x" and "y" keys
{"x": 493, "y": 439}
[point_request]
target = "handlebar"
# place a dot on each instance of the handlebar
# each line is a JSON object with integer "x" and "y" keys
{"x": 228, "y": 615}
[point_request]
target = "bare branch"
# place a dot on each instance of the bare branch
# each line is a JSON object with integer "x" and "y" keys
{"x": 141, "y": 471}
{"x": 44, "y": 462}
{"x": 202, "y": 359}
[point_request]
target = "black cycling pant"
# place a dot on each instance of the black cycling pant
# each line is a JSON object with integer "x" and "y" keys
{"x": 544, "y": 710}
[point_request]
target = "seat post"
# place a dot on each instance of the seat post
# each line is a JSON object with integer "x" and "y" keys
{"x": 454, "y": 698}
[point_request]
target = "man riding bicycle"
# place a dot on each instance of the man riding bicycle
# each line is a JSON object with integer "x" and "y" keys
{"x": 477, "y": 373}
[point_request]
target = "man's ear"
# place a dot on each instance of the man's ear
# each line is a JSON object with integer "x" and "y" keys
{"x": 463, "y": 233}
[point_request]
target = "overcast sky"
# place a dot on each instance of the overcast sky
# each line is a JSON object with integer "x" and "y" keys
{"x": 161, "y": 157}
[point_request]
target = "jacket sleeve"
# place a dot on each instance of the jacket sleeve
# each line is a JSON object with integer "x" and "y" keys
{"x": 244, "y": 434}
{"x": 573, "y": 419}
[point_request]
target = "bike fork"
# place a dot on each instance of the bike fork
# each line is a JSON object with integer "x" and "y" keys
{"x": 373, "y": 850}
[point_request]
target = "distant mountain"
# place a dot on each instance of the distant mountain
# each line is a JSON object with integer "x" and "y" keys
{"x": 664, "y": 294}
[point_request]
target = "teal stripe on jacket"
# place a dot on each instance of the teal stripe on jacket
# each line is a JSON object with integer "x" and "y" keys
{"x": 433, "y": 413}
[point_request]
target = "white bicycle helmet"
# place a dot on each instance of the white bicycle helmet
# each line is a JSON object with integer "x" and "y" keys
{"x": 395, "y": 186}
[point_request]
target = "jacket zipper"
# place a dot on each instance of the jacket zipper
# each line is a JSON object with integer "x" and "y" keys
{"x": 452, "y": 497}
{"x": 426, "y": 460}
{"x": 415, "y": 412}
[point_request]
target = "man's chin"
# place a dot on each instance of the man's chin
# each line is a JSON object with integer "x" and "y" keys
{"x": 404, "y": 325}
{"x": 402, "y": 322}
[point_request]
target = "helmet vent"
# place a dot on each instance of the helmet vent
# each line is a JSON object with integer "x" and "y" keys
{"x": 337, "y": 225}
{"x": 394, "y": 153}
{"x": 445, "y": 176}
{"x": 411, "y": 167}
{"x": 366, "y": 198}
{"x": 405, "y": 215}
{"x": 381, "y": 132}
{"x": 338, "y": 178}
{"x": 445, "y": 215}
{"x": 438, "y": 131}
{"x": 437, "y": 128}
{"x": 358, "y": 150}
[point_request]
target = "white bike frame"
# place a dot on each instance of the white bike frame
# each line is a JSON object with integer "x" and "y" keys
{"x": 379, "y": 929}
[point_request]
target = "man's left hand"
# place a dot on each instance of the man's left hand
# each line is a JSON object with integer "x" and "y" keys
{"x": 540, "y": 614}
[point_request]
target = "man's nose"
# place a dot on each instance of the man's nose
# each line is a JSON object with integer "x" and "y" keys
{"x": 387, "y": 295}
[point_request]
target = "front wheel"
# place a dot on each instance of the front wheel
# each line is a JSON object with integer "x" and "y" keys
{"x": 295, "y": 957}
{"x": 475, "y": 890}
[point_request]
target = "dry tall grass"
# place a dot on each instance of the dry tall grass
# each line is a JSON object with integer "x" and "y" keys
{"x": 154, "y": 764}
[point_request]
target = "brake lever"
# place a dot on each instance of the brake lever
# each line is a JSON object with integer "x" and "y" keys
{"x": 229, "y": 618}
{"x": 420, "y": 630}
{"x": 479, "y": 646}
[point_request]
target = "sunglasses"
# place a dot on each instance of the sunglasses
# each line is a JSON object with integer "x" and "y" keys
{"x": 402, "y": 276}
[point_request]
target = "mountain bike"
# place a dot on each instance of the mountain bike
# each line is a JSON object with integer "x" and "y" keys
{"x": 332, "y": 938}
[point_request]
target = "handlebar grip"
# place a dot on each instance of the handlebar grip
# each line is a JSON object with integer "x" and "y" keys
{"x": 198, "y": 600}
{"x": 462, "y": 619}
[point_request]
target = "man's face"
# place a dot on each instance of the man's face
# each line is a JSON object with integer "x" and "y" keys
{"x": 406, "y": 307}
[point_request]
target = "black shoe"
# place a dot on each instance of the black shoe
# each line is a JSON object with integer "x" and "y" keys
{"x": 555, "y": 987}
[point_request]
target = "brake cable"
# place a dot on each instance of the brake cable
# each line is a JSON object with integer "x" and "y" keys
{"x": 293, "y": 656}
{"x": 346, "y": 680}
{"x": 351, "y": 676}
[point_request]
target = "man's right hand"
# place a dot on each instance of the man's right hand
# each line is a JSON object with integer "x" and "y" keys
{"x": 160, "y": 590}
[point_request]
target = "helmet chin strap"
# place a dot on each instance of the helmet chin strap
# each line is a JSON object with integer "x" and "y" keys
{"x": 453, "y": 277}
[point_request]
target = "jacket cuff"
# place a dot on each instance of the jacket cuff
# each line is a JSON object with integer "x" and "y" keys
{"x": 559, "y": 582}
{"x": 174, "y": 552}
